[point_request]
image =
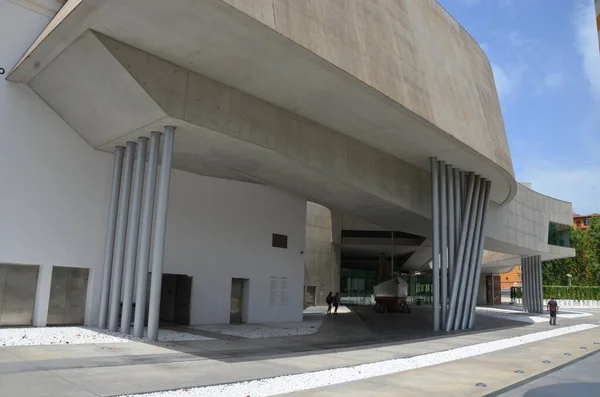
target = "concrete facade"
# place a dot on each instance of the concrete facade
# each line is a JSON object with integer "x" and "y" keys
{"x": 274, "y": 103}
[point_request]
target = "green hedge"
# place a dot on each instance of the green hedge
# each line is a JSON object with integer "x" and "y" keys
{"x": 560, "y": 292}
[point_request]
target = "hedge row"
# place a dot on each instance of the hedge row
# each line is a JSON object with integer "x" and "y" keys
{"x": 559, "y": 292}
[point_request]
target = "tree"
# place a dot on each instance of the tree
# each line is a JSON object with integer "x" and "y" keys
{"x": 584, "y": 266}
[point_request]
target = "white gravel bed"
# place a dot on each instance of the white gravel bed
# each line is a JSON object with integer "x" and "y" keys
{"x": 277, "y": 330}
{"x": 323, "y": 310}
{"x": 531, "y": 318}
{"x": 79, "y": 336}
{"x": 312, "y": 380}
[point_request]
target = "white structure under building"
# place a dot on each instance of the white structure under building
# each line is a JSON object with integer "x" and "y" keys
{"x": 162, "y": 161}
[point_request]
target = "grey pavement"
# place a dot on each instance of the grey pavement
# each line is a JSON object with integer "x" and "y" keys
{"x": 127, "y": 368}
{"x": 578, "y": 379}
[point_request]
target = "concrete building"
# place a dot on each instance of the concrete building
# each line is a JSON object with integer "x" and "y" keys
{"x": 163, "y": 154}
{"x": 583, "y": 221}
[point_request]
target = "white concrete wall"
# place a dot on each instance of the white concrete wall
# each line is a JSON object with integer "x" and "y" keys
{"x": 54, "y": 204}
{"x": 219, "y": 230}
{"x": 55, "y": 188}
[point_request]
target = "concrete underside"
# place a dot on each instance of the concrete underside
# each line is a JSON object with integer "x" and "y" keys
{"x": 251, "y": 104}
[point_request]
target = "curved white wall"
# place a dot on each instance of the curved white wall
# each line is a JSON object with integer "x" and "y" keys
{"x": 54, "y": 204}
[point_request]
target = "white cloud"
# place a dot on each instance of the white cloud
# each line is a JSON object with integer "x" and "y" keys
{"x": 587, "y": 43}
{"x": 503, "y": 84}
{"x": 578, "y": 185}
{"x": 552, "y": 81}
{"x": 508, "y": 80}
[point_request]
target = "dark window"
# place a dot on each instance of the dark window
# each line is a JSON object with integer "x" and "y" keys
{"x": 578, "y": 223}
{"x": 279, "y": 240}
{"x": 506, "y": 278}
{"x": 587, "y": 221}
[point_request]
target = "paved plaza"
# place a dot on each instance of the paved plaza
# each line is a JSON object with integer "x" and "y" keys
{"x": 343, "y": 341}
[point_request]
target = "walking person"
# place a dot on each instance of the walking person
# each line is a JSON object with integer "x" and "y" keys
{"x": 552, "y": 307}
{"x": 329, "y": 301}
{"x": 336, "y": 302}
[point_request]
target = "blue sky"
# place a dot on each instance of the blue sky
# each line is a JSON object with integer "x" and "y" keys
{"x": 546, "y": 61}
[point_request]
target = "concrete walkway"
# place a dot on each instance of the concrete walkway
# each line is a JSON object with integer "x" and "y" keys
{"x": 114, "y": 369}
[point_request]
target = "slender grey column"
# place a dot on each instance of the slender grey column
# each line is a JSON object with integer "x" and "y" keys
{"x": 110, "y": 235}
{"x": 534, "y": 292}
{"x": 133, "y": 227}
{"x": 435, "y": 218}
{"x": 540, "y": 283}
{"x": 524, "y": 280}
{"x": 457, "y": 207}
{"x": 444, "y": 242}
{"x": 530, "y": 285}
{"x": 473, "y": 257}
{"x": 460, "y": 256}
{"x": 158, "y": 246}
{"x": 486, "y": 202}
{"x": 145, "y": 235}
{"x": 451, "y": 224}
{"x": 467, "y": 271}
{"x": 117, "y": 274}
{"x": 527, "y": 284}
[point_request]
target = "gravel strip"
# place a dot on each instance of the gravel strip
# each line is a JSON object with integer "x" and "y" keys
{"x": 312, "y": 380}
{"x": 277, "y": 330}
{"x": 525, "y": 317}
{"x": 79, "y": 336}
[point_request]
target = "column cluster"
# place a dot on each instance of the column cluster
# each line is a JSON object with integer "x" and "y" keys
{"x": 459, "y": 206}
{"x": 128, "y": 241}
{"x": 531, "y": 276}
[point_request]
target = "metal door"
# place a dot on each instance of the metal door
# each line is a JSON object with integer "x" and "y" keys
{"x": 237, "y": 301}
{"x": 167, "y": 298}
{"x": 18, "y": 286}
{"x": 183, "y": 299}
{"x": 310, "y": 296}
{"x": 68, "y": 294}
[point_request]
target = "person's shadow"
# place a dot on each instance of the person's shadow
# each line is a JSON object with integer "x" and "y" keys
{"x": 576, "y": 389}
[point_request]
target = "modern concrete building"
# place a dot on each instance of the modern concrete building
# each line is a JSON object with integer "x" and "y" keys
{"x": 163, "y": 153}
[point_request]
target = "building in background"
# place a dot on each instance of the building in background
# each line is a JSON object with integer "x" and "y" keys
{"x": 583, "y": 221}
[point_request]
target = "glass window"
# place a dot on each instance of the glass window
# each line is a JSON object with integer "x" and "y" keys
{"x": 559, "y": 235}
{"x": 587, "y": 221}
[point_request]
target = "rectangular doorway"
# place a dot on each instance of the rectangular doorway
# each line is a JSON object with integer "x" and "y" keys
{"x": 494, "y": 290}
{"x": 68, "y": 294}
{"x": 175, "y": 299}
{"x": 238, "y": 300}
{"x": 310, "y": 296}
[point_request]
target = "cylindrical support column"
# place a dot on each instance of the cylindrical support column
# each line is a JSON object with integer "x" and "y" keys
{"x": 540, "y": 283}
{"x": 143, "y": 259}
{"x": 481, "y": 243}
{"x": 110, "y": 235}
{"x": 527, "y": 285}
{"x": 457, "y": 207}
{"x": 473, "y": 276}
{"x": 158, "y": 246}
{"x": 467, "y": 271}
{"x": 539, "y": 293}
{"x": 443, "y": 242}
{"x": 458, "y": 269}
{"x": 117, "y": 271}
{"x": 133, "y": 226}
{"x": 524, "y": 279}
{"x": 435, "y": 218}
{"x": 451, "y": 224}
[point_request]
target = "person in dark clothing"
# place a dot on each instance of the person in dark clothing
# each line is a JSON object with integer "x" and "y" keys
{"x": 336, "y": 301}
{"x": 552, "y": 307}
{"x": 329, "y": 301}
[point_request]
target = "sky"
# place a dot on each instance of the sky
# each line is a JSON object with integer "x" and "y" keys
{"x": 546, "y": 61}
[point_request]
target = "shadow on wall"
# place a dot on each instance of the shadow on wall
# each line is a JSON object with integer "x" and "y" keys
{"x": 579, "y": 389}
